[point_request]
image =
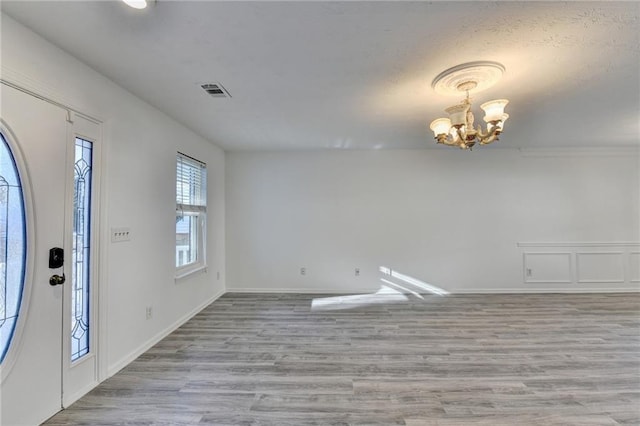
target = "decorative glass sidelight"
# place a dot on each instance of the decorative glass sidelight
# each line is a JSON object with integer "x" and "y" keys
{"x": 81, "y": 260}
{"x": 13, "y": 245}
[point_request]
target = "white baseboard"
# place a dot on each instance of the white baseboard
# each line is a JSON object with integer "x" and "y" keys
{"x": 303, "y": 290}
{"x": 70, "y": 399}
{"x": 571, "y": 290}
{"x": 123, "y": 362}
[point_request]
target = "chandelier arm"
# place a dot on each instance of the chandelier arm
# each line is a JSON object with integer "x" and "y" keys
{"x": 489, "y": 136}
{"x": 492, "y": 138}
{"x": 445, "y": 139}
{"x": 451, "y": 141}
{"x": 482, "y": 135}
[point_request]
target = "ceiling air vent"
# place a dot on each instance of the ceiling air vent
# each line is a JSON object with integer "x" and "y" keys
{"x": 216, "y": 90}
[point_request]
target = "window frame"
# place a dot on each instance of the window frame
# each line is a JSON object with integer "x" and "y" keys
{"x": 21, "y": 276}
{"x": 197, "y": 211}
{"x": 90, "y": 260}
{"x": 11, "y": 354}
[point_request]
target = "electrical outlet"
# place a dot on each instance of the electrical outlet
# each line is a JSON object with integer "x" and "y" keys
{"x": 119, "y": 235}
{"x": 303, "y": 271}
{"x": 529, "y": 272}
{"x": 149, "y": 312}
{"x": 357, "y": 272}
{"x": 218, "y": 275}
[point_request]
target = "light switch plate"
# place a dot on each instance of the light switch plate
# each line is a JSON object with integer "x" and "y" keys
{"x": 119, "y": 235}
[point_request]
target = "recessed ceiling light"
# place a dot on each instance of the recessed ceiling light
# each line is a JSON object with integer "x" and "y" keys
{"x": 136, "y": 4}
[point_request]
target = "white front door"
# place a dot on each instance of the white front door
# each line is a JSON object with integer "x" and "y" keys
{"x": 37, "y": 368}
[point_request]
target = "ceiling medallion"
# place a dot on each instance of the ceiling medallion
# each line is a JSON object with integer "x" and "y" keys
{"x": 458, "y": 130}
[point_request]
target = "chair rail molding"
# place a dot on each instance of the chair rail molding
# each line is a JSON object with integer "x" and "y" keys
{"x": 617, "y": 151}
{"x": 580, "y": 244}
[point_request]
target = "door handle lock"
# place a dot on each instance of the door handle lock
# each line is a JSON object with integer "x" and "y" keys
{"x": 57, "y": 279}
{"x": 56, "y": 260}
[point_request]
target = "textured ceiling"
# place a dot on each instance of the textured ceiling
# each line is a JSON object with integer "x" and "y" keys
{"x": 314, "y": 75}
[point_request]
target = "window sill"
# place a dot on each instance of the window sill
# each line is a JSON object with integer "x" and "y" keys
{"x": 183, "y": 273}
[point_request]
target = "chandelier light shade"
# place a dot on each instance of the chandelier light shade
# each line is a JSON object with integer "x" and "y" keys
{"x": 458, "y": 114}
{"x": 441, "y": 126}
{"x": 136, "y": 4}
{"x": 494, "y": 110}
{"x": 458, "y": 129}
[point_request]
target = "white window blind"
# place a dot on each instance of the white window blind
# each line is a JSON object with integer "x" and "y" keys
{"x": 191, "y": 185}
{"x": 191, "y": 212}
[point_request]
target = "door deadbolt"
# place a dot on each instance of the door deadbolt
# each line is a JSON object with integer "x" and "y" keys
{"x": 56, "y": 258}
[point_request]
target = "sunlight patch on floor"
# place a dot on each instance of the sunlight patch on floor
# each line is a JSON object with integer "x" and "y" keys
{"x": 399, "y": 290}
{"x": 383, "y": 296}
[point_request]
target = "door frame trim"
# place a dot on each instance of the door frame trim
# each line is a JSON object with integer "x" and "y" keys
{"x": 22, "y": 82}
{"x": 77, "y": 130}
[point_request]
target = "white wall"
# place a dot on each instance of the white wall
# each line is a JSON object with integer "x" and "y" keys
{"x": 446, "y": 217}
{"x": 140, "y": 145}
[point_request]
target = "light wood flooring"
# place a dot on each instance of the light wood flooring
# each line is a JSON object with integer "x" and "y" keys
{"x": 264, "y": 359}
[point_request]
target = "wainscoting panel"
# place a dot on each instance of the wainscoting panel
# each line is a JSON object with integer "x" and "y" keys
{"x": 600, "y": 265}
{"x": 634, "y": 266}
{"x": 547, "y": 268}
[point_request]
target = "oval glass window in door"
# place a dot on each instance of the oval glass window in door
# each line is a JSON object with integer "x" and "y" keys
{"x": 13, "y": 245}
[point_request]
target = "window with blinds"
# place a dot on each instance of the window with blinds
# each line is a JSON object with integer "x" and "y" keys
{"x": 191, "y": 184}
{"x": 191, "y": 209}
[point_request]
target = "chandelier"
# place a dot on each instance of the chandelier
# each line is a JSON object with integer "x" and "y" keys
{"x": 458, "y": 130}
